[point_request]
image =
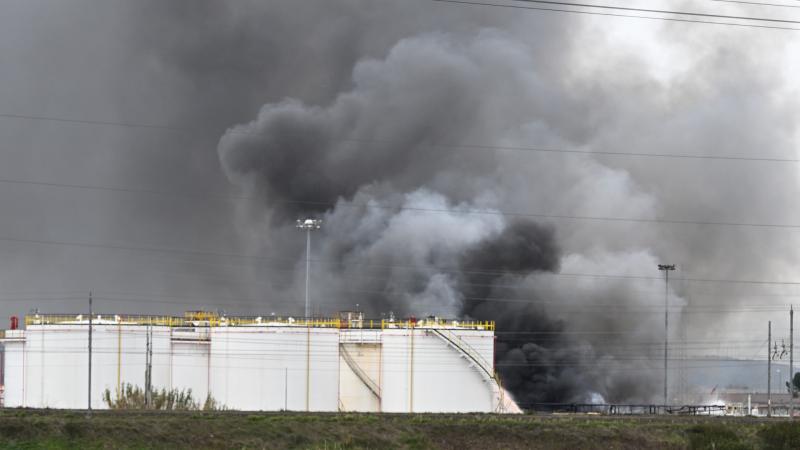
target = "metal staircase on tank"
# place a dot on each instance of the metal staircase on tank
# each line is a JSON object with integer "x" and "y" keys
{"x": 369, "y": 382}
{"x": 475, "y": 358}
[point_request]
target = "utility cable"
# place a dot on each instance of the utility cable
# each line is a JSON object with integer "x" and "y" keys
{"x": 658, "y": 11}
{"x": 236, "y": 131}
{"x": 393, "y": 266}
{"x": 468, "y": 211}
{"x": 631, "y": 16}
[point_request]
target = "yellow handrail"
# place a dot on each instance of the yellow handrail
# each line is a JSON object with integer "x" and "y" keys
{"x": 200, "y": 318}
{"x": 438, "y": 323}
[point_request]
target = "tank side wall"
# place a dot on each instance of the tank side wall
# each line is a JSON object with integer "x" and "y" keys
{"x": 395, "y": 371}
{"x": 354, "y": 394}
{"x": 13, "y": 374}
{"x": 444, "y": 380}
{"x": 190, "y": 369}
{"x": 57, "y": 367}
{"x": 324, "y": 370}
{"x": 118, "y": 358}
{"x": 258, "y": 368}
{"x": 162, "y": 376}
{"x": 265, "y": 368}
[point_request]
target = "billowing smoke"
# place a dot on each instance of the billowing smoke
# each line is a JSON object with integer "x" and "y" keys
{"x": 396, "y": 123}
{"x": 414, "y": 222}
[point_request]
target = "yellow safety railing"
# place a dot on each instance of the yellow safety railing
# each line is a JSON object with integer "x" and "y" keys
{"x": 200, "y": 315}
{"x": 192, "y": 318}
{"x": 52, "y": 319}
{"x": 439, "y": 323}
{"x": 238, "y": 321}
{"x": 168, "y": 321}
{"x": 49, "y": 319}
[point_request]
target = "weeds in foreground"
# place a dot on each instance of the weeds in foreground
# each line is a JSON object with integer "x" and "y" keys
{"x": 134, "y": 397}
{"x": 715, "y": 437}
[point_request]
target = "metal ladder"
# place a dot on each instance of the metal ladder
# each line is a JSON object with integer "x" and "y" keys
{"x": 369, "y": 382}
{"x": 468, "y": 352}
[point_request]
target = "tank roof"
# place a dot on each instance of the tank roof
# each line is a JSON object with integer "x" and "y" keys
{"x": 210, "y": 319}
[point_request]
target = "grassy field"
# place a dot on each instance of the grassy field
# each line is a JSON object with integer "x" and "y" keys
{"x": 30, "y": 429}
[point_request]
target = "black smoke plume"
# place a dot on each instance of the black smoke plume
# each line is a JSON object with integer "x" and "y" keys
{"x": 376, "y": 114}
{"x": 412, "y": 220}
{"x": 538, "y": 360}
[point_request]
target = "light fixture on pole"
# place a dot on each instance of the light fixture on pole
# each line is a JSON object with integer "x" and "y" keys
{"x": 666, "y": 268}
{"x": 308, "y": 225}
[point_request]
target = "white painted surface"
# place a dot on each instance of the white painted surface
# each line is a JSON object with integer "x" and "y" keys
{"x": 355, "y": 393}
{"x": 422, "y": 373}
{"x": 190, "y": 368}
{"x": 14, "y": 362}
{"x": 267, "y": 368}
{"x": 252, "y": 367}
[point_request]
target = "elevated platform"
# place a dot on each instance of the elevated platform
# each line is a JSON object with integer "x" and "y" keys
{"x": 207, "y": 319}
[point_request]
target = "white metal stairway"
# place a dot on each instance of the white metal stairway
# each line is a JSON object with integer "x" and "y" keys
{"x": 369, "y": 382}
{"x": 475, "y": 358}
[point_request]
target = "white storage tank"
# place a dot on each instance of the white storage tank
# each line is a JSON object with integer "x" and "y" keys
{"x": 255, "y": 363}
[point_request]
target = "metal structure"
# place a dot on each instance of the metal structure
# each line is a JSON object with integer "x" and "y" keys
{"x": 791, "y": 361}
{"x": 666, "y": 268}
{"x": 258, "y": 363}
{"x": 89, "y": 387}
{"x": 769, "y": 369}
{"x": 774, "y": 355}
{"x": 627, "y": 409}
{"x": 308, "y": 225}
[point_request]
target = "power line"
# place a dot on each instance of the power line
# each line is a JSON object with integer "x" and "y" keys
{"x": 392, "y": 266}
{"x": 743, "y": 2}
{"x": 383, "y": 279}
{"x": 599, "y": 218}
{"x": 658, "y": 11}
{"x": 425, "y": 145}
{"x": 469, "y": 211}
{"x": 94, "y": 187}
{"x": 707, "y": 308}
{"x": 630, "y": 16}
{"x": 99, "y": 122}
{"x": 608, "y": 347}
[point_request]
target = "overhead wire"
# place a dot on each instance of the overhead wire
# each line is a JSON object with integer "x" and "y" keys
{"x": 467, "y": 211}
{"x": 442, "y": 310}
{"x": 608, "y": 14}
{"x": 478, "y": 271}
{"x": 657, "y": 11}
{"x": 468, "y": 146}
{"x": 751, "y": 3}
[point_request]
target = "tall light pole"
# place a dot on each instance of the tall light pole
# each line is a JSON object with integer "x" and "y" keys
{"x": 308, "y": 225}
{"x": 666, "y": 268}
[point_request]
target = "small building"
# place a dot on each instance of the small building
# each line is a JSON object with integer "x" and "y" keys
{"x": 758, "y": 403}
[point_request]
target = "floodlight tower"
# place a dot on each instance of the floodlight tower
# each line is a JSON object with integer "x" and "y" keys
{"x": 308, "y": 225}
{"x": 666, "y": 268}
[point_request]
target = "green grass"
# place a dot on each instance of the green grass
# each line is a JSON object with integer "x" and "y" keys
{"x": 42, "y": 429}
